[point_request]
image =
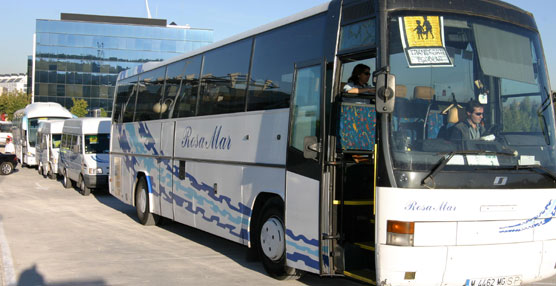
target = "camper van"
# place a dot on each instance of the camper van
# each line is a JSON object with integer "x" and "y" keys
{"x": 49, "y": 139}
{"x": 84, "y": 155}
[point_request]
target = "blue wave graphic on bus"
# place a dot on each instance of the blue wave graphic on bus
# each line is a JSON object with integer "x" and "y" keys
{"x": 540, "y": 220}
{"x": 99, "y": 160}
{"x": 197, "y": 193}
{"x": 303, "y": 244}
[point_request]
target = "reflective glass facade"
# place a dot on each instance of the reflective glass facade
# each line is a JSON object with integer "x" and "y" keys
{"x": 82, "y": 59}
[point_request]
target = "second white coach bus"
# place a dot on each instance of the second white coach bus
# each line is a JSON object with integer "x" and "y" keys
{"x": 26, "y": 124}
{"x": 443, "y": 173}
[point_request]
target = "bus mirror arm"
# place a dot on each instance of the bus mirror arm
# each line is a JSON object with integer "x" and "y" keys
{"x": 385, "y": 90}
{"x": 311, "y": 147}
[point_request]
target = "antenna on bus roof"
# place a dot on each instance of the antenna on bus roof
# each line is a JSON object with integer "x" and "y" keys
{"x": 148, "y": 10}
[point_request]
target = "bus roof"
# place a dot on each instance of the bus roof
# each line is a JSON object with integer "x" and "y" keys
{"x": 44, "y": 109}
{"x": 267, "y": 27}
{"x": 51, "y": 126}
{"x": 87, "y": 125}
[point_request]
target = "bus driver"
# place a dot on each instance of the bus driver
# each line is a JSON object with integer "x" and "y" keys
{"x": 470, "y": 128}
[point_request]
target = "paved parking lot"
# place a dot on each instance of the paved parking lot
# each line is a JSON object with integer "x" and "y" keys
{"x": 58, "y": 237}
{"x": 53, "y": 236}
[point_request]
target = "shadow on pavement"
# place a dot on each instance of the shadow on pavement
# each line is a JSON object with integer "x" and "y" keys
{"x": 32, "y": 277}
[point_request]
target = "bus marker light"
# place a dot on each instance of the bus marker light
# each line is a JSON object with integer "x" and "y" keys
{"x": 400, "y": 233}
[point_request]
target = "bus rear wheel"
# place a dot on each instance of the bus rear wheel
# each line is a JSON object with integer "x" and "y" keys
{"x": 84, "y": 189}
{"x": 142, "y": 204}
{"x": 50, "y": 173}
{"x": 270, "y": 241}
{"x": 66, "y": 181}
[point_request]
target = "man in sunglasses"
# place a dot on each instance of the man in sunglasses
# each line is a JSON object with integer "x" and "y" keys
{"x": 470, "y": 128}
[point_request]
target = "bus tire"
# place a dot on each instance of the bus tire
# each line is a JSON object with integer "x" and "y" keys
{"x": 6, "y": 168}
{"x": 142, "y": 203}
{"x": 50, "y": 173}
{"x": 270, "y": 241}
{"x": 82, "y": 187}
{"x": 66, "y": 181}
{"x": 39, "y": 169}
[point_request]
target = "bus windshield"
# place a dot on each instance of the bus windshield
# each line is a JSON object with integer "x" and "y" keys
{"x": 56, "y": 140}
{"x": 97, "y": 144}
{"x": 469, "y": 87}
{"x": 34, "y": 128}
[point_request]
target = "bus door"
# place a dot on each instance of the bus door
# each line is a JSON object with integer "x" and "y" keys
{"x": 304, "y": 172}
{"x": 353, "y": 196}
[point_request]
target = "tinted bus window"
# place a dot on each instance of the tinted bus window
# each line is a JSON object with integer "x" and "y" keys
{"x": 224, "y": 79}
{"x": 274, "y": 58}
{"x": 186, "y": 100}
{"x": 123, "y": 92}
{"x": 149, "y": 92}
{"x": 128, "y": 108}
{"x": 97, "y": 144}
{"x": 172, "y": 84}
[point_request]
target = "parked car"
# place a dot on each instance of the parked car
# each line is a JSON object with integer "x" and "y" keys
{"x": 8, "y": 162}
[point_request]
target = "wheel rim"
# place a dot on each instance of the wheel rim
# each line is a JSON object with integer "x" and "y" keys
{"x": 82, "y": 186}
{"x": 272, "y": 239}
{"x": 142, "y": 203}
{"x": 6, "y": 168}
{"x": 65, "y": 178}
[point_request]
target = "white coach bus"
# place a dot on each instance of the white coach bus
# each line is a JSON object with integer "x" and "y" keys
{"x": 26, "y": 124}
{"x": 443, "y": 176}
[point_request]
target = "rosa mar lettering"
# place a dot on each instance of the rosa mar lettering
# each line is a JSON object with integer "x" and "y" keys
{"x": 217, "y": 141}
{"x": 426, "y": 207}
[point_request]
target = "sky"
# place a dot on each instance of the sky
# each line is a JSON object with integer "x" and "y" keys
{"x": 226, "y": 18}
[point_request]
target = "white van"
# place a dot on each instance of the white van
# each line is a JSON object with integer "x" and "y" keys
{"x": 49, "y": 139}
{"x": 5, "y": 131}
{"x": 84, "y": 155}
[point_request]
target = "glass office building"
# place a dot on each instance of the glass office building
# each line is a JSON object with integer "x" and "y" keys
{"x": 80, "y": 56}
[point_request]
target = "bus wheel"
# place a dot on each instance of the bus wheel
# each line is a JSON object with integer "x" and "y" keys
{"x": 50, "y": 173}
{"x": 39, "y": 169}
{"x": 271, "y": 242}
{"x": 66, "y": 181}
{"x": 84, "y": 189}
{"x": 142, "y": 203}
{"x": 6, "y": 168}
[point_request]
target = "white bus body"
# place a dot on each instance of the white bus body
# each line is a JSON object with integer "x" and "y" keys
{"x": 26, "y": 123}
{"x": 254, "y": 139}
{"x": 84, "y": 156}
{"x": 49, "y": 139}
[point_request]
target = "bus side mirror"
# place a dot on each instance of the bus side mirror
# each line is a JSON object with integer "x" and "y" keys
{"x": 311, "y": 147}
{"x": 385, "y": 90}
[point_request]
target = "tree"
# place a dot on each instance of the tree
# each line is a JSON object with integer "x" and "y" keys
{"x": 103, "y": 112}
{"x": 79, "y": 107}
{"x": 12, "y": 102}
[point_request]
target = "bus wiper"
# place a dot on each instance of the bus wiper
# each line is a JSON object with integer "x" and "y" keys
{"x": 445, "y": 159}
{"x": 535, "y": 168}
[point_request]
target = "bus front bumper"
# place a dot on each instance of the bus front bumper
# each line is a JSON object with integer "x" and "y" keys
{"x": 96, "y": 181}
{"x": 503, "y": 264}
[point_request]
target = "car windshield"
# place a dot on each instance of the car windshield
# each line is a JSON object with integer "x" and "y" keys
{"x": 468, "y": 85}
{"x": 97, "y": 144}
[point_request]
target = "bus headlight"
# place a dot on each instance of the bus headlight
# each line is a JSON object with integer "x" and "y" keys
{"x": 93, "y": 171}
{"x": 400, "y": 233}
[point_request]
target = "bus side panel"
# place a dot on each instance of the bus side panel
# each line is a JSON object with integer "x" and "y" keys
{"x": 217, "y": 191}
{"x": 138, "y": 138}
{"x": 166, "y": 170}
{"x": 302, "y": 223}
{"x": 257, "y": 180}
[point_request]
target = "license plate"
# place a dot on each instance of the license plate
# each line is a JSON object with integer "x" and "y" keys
{"x": 495, "y": 281}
